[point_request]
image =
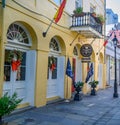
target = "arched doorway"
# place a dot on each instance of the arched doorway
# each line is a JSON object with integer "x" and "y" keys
{"x": 19, "y": 64}
{"x": 56, "y": 63}
{"x": 76, "y": 67}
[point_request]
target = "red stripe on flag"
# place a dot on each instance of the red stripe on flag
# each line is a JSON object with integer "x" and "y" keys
{"x": 59, "y": 11}
{"x": 105, "y": 43}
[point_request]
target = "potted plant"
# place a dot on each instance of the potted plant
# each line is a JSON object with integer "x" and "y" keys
{"x": 78, "y": 11}
{"x": 78, "y": 88}
{"x": 100, "y": 19}
{"x": 93, "y": 85}
{"x": 7, "y": 105}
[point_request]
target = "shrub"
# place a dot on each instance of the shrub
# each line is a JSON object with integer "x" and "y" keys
{"x": 8, "y": 103}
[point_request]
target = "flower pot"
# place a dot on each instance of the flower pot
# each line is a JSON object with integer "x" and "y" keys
{"x": 93, "y": 91}
{"x": 78, "y": 96}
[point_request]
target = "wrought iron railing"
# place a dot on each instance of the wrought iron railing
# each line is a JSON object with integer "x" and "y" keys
{"x": 86, "y": 19}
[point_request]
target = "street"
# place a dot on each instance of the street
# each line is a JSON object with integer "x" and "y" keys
{"x": 101, "y": 109}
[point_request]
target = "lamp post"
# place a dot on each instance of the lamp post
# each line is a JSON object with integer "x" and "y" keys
{"x": 115, "y": 94}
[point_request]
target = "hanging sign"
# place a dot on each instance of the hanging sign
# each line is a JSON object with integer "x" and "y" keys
{"x": 86, "y": 52}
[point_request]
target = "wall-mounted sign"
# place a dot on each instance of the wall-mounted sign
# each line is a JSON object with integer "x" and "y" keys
{"x": 86, "y": 60}
{"x": 86, "y": 50}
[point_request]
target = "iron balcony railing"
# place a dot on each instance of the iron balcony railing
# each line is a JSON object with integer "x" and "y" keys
{"x": 86, "y": 19}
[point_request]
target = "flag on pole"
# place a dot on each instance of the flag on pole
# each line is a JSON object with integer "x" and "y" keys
{"x": 90, "y": 73}
{"x": 105, "y": 43}
{"x": 59, "y": 12}
{"x": 3, "y": 3}
{"x": 68, "y": 69}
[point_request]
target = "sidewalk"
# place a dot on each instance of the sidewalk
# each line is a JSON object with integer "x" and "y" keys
{"x": 101, "y": 109}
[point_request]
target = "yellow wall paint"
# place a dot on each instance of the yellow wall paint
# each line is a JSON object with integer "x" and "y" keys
{"x": 36, "y": 25}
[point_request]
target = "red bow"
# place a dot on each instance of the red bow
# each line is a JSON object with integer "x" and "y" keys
{"x": 15, "y": 65}
{"x": 52, "y": 67}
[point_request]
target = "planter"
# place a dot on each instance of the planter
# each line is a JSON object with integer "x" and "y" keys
{"x": 78, "y": 95}
{"x": 93, "y": 91}
{"x": 93, "y": 86}
{"x": 79, "y": 14}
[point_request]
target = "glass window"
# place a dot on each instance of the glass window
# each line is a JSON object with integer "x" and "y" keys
{"x": 92, "y": 8}
{"x": 22, "y": 69}
{"x": 7, "y": 67}
{"x": 54, "y": 45}
{"x": 75, "y": 52}
{"x": 17, "y": 34}
{"x": 54, "y": 72}
{"x": 58, "y": 2}
{"x": 78, "y": 3}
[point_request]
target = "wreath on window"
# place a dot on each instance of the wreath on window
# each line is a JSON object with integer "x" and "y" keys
{"x": 51, "y": 64}
{"x": 15, "y": 58}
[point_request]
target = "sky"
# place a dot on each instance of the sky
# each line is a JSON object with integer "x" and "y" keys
{"x": 114, "y": 5}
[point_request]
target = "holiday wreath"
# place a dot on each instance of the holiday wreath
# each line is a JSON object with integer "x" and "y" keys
{"x": 52, "y": 62}
{"x": 15, "y": 58}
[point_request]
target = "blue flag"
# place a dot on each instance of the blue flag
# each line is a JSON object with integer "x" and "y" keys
{"x": 69, "y": 70}
{"x": 90, "y": 73}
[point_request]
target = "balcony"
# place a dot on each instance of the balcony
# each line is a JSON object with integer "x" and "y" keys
{"x": 87, "y": 25}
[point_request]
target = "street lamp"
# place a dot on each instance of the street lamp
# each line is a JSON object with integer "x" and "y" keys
{"x": 115, "y": 94}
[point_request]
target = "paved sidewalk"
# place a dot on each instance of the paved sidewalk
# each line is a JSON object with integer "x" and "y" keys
{"x": 101, "y": 109}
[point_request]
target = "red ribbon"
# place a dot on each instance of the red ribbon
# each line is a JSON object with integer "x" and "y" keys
{"x": 15, "y": 65}
{"x": 52, "y": 67}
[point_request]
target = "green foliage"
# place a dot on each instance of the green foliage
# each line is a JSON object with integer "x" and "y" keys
{"x": 94, "y": 83}
{"x": 101, "y": 18}
{"x": 8, "y": 103}
{"x": 13, "y": 53}
{"x": 78, "y": 10}
{"x": 79, "y": 84}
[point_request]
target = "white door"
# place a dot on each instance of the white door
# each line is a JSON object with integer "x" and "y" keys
{"x": 16, "y": 81}
{"x": 55, "y": 86}
{"x": 100, "y": 77}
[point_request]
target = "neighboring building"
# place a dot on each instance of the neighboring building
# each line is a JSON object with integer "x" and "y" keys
{"x": 111, "y": 17}
{"x": 22, "y": 24}
{"x": 110, "y": 54}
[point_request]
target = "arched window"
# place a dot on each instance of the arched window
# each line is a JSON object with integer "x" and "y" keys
{"x": 54, "y": 46}
{"x": 17, "y": 34}
{"x": 75, "y": 52}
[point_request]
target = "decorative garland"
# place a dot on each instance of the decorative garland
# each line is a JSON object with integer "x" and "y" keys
{"x": 15, "y": 58}
{"x": 51, "y": 64}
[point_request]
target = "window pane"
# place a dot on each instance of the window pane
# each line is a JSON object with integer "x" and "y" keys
{"x": 23, "y": 59}
{"x": 54, "y": 72}
{"x": 21, "y": 74}
{"x": 7, "y": 66}
{"x": 58, "y": 2}
{"x": 7, "y": 70}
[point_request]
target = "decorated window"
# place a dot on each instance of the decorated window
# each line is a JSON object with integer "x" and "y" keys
{"x": 15, "y": 61}
{"x": 52, "y": 60}
{"x": 18, "y": 35}
{"x": 54, "y": 45}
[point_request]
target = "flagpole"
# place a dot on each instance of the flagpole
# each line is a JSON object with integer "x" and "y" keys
{"x": 45, "y": 33}
{"x": 74, "y": 39}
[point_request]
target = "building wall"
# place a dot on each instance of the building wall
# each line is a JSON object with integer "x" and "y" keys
{"x": 36, "y": 17}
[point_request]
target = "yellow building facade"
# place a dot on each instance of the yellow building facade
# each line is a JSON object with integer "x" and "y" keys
{"x": 22, "y": 24}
